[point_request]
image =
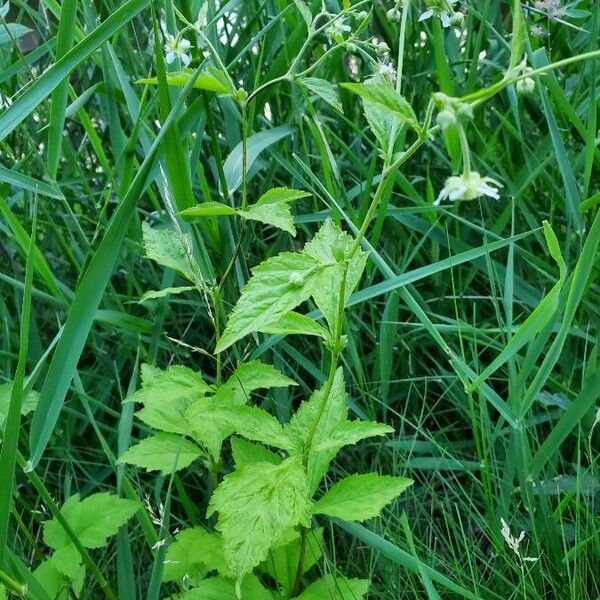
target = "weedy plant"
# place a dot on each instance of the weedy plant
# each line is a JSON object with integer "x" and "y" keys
{"x": 268, "y": 493}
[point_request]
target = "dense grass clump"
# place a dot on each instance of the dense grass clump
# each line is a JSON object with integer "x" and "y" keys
{"x": 299, "y": 299}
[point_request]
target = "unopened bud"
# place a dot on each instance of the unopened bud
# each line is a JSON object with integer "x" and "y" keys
{"x": 393, "y": 14}
{"x": 525, "y": 86}
{"x": 446, "y": 118}
{"x": 296, "y": 279}
{"x": 457, "y": 19}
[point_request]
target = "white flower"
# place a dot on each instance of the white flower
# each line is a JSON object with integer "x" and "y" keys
{"x": 537, "y": 30}
{"x": 336, "y": 29}
{"x": 440, "y": 8}
{"x": 386, "y": 70}
{"x": 468, "y": 187}
{"x": 177, "y": 47}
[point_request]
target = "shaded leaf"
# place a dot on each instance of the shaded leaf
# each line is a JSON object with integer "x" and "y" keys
{"x": 335, "y": 588}
{"x": 351, "y": 432}
{"x": 324, "y": 89}
{"x": 169, "y": 249}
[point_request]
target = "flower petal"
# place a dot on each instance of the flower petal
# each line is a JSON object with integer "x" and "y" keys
{"x": 426, "y": 15}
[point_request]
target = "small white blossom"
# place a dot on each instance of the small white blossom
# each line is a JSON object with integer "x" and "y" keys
{"x": 537, "y": 30}
{"x": 441, "y": 9}
{"x": 159, "y": 544}
{"x": 552, "y": 8}
{"x": 393, "y": 14}
{"x": 336, "y": 29}
{"x": 468, "y": 187}
{"x": 386, "y": 70}
{"x": 177, "y": 47}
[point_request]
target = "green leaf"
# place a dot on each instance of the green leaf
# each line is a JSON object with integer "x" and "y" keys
{"x": 10, "y": 31}
{"x": 245, "y": 452}
{"x": 250, "y": 422}
{"x": 272, "y": 208}
{"x": 156, "y": 294}
{"x": 323, "y": 418}
{"x": 360, "y": 497}
{"x": 384, "y": 95}
{"x": 282, "y": 562}
{"x": 30, "y": 400}
{"x": 220, "y": 588}
{"x": 210, "y": 81}
{"x": 324, "y": 89}
{"x": 305, "y": 12}
{"x": 207, "y": 209}
{"x": 93, "y": 520}
{"x": 54, "y": 581}
{"x": 166, "y": 452}
{"x": 256, "y": 143}
{"x": 335, "y": 588}
{"x": 193, "y": 554}
{"x": 351, "y": 432}
{"x": 295, "y": 323}
{"x": 256, "y": 505}
{"x": 167, "y": 396}
{"x": 328, "y": 241}
{"x": 247, "y": 378}
{"x": 169, "y": 249}
{"x": 277, "y": 286}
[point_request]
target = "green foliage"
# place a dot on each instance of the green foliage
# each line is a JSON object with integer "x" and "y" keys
{"x": 360, "y": 497}
{"x": 335, "y": 588}
{"x": 169, "y": 249}
{"x": 257, "y": 505}
{"x": 30, "y": 400}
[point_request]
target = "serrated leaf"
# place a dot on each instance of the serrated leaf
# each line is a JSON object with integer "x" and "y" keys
{"x": 282, "y": 562}
{"x": 281, "y": 195}
{"x": 168, "y": 248}
{"x": 93, "y": 520}
{"x": 351, "y": 432}
{"x": 270, "y": 293}
{"x": 294, "y": 323}
{"x": 207, "y": 209}
{"x": 335, "y": 588}
{"x": 55, "y": 583}
{"x": 324, "y": 89}
{"x": 212, "y": 81}
{"x": 311, "y": 415}
{"x": 255, "y": 505}
{"x": 220, "y": 588}
{"x": 194, "y": 553}
{"x": 304, "y": 11}
{"x": 326, "y": 294}
{"x": 165, "y": 452}
{"x": 245, "y": 452}
{"x": 30, "y": 400}
{"x": 360, "y": 497}
{"x": 251, "y": 422}
{"x": 384, "y": 95}
{"x": 170, "y": 291}
{"x": 247, "y": 378}
{"x": 277, "y": 215}
{"x": 207, "y": 427}
{"x": 167, "y": 395}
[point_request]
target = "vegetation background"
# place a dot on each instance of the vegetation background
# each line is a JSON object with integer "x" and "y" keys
{"x": 447, "y": 288}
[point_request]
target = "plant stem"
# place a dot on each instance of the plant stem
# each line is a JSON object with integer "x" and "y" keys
{"x": 12, "y": 585}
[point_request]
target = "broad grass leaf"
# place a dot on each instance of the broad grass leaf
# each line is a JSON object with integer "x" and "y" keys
{"x": 323, "y": 415}
{"x": 165, "y": 452}
{"x": 328, "y": 241}
{"x": 257, "y": 143}
{"x": 221, "y": 588}
{"x": 360, "y": 497}
{"x": 270, "y": 293}
{"x": 169, "y": 249}
{"x": 294, "y": 323}
{"x": 335, "y": 588}
{"x": 282, "y": 562}
{"x": 351, "y": 432}
{"x": 384, "y": 95}
{"x": 93, "y": 520}
{"x": 193, "y": 554}
{"x": 256, "y": 504}
{"x": 323, "y": 89}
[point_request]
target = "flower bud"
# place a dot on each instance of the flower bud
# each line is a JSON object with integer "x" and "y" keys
{"x": 446, "y": 118}
{"x": 362, "y": 15}
{"x": 457, "y": 19}
{"x": 382, "y": 48}
{"x": 393, "y": 14}
{"x": 525, "y": 86}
